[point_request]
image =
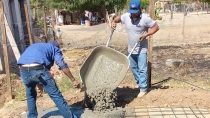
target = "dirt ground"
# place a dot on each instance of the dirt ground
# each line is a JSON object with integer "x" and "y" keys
{"x": 185, "y": 38}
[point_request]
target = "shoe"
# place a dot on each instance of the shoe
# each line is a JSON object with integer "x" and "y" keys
{"x": 141, "y": 94}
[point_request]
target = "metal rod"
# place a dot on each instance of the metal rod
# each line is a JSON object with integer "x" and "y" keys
{"x": 107, "y": 44}
{"x": 132, "y": 49}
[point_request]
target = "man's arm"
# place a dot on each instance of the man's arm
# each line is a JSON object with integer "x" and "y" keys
{"x": 151, "y": 31}
{"x": 68, "y": 73}
{"x": 64, "y": 67}
{"x": 117, "y": 19}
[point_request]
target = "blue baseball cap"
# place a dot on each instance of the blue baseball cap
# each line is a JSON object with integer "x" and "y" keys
{"x": 134, "y": 6}
{"x": 54, "y": 43}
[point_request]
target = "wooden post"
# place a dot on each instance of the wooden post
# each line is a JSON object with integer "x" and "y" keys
{"x": 28, "y": 23}
{"x": 108, "y": 19}
{"x": 172, "y": 10}
{"x": 6, "y": 58}
{"x": 45, "y": 25}
{"x": 151, "y": 13}
{"x": 53, "y": 21}
{"x": 52, "y": 17}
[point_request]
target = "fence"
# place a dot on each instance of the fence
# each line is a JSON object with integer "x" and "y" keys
{"x": 12, "y": 47}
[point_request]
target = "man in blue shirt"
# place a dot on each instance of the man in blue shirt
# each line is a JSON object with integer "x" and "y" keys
{"x": 35, "y": 64}
{"x": 139, "y": 26}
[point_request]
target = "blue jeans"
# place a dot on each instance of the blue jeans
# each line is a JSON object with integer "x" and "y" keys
{"x": 32, "y": 77}
{"x": 138, "y": 65}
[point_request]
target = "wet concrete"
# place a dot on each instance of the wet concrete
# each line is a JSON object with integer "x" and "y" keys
{"x": 103, "y": 105}
{"x": 105, "y": 67}
{"x": 116, "y": 113}
{"x": 103, "y": 99}
{"x": 101, "y": 73}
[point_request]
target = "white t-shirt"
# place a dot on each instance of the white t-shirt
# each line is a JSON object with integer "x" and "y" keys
{"x": 135, "y": 28}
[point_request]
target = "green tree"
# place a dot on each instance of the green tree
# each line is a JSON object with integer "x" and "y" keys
{"x": 206, "y": 1}
{"x": 92, "y": 5}
{"x": 144, "y": 4}
{"x": 181, "y": 1}
{"x": 36, "y": 6}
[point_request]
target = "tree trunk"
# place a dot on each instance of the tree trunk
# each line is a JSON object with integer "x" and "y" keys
{"x": 172, "y": 8}
{"x": 38, "y": 14}
{"x": 103, "y": 8}
{"x": 71, "y": 17}
{"x": 34, "y": 14}
{"x": 115, "y": 10}
{"x": 52, "y": 17}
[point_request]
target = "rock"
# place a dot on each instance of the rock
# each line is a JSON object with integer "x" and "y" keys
{"x": 23, "y": 113}
{"x": 174, "y": 63}
{"x": 180, "y": 100}
{"x": 165, "y": 105}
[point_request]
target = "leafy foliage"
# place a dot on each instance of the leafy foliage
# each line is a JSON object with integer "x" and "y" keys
{"x": 144, "y": 4}
{"x": 178, "y": 1}
{"x": 92, "y": 5}
{"x": 206, "y": 1}
{"x": 81, "y": 5}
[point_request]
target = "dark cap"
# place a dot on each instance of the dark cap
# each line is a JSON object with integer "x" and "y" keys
{"x": 55, "y": 43}
{"x": 134, "y": 6}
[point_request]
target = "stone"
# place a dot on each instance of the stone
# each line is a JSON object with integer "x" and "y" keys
{"x": 174, "y": 63}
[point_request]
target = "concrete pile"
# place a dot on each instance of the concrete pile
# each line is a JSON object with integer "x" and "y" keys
{"x": 103, "y": 105}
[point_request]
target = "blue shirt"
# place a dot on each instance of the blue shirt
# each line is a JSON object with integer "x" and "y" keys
{"x": 43, "y": 53}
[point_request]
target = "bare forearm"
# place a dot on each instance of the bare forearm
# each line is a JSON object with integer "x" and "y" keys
{"x": 68, "y": 73}
{"x": 117, "y": 19}
{"x": 153, "y": 30}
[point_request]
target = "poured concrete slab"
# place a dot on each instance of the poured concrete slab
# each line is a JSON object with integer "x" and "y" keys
{"x": 168, "y": 112}
{"x": 138, "y": 112}
{"x": 53, "y": 112}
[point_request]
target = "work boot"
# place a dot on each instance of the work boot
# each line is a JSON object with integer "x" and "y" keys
{"x": 141, "y": 94}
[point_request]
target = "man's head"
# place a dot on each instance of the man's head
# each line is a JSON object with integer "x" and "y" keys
{"x": 54, "y": 43}
{"x": 135, "y": 8}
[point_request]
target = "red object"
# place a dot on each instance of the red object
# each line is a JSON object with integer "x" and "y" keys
{"x": 52, "y": 73}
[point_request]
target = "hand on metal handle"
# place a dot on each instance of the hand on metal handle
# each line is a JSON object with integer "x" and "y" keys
{"x": 143, "y": 37}
{"x": 113, "y": 25}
